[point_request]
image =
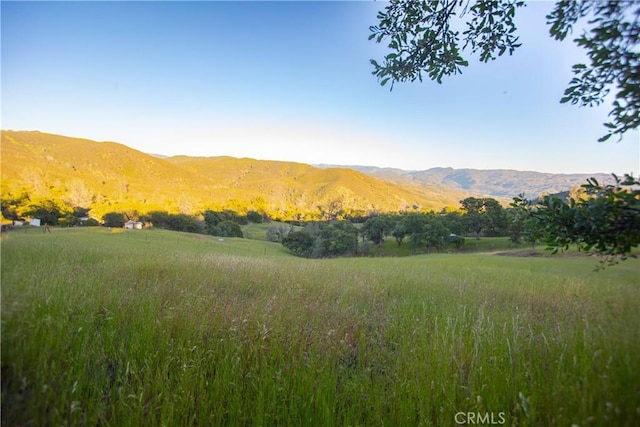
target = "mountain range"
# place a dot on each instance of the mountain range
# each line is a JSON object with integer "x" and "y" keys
{"x": 497, "y": 183}
{"x": 108, "y": 176}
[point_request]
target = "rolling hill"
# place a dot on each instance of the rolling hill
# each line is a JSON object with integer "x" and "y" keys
{"x": 107, "y": 176}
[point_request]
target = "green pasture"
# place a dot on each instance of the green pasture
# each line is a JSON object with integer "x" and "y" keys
{"x": 151, "y": 327}
{"x": 390, "y": 248}
{"x": 258, "y": 231}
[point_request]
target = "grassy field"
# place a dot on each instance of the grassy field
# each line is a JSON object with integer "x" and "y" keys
{"x": 154, "y": 327}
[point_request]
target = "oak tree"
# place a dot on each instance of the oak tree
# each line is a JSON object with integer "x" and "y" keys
{"x": 434, "y": 39}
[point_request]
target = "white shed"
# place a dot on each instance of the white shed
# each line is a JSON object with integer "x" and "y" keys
{"x": 133, "y": 225}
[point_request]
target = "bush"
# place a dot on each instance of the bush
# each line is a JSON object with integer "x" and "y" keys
{"x": 91, "y": 222}
{"x": 300, "y": 243}
{"x": 113, "y": 219}
{"x": 254, "y": 217}
{"x": 226, "y": 228}
{"x": 320, "y": 240}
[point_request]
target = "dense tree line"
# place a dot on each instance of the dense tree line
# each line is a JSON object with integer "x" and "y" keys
{"x": 425, "y": 232}
{"x": 604, "y": 219}
{"x": 224, "y": 223}
{"x": 19, "y": 207}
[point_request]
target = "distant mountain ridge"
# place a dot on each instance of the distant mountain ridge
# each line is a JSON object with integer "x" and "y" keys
{"x": 499, "y": 183}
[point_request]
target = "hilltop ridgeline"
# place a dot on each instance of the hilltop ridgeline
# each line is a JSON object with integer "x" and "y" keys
{"x": 108, "y": 176}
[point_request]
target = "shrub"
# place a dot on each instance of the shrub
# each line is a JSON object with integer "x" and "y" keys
{"x": 113, "y": 219}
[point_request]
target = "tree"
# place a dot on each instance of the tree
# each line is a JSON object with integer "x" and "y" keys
{"x": 473, "y": 217}
{"x": 254, "y": 217}
{"x": 453, "y": 221}
{"x": 73, "y": 218}
{"x": 436, "y": 235}
{"x": 47, "y": 211}
{"x": 336, "y": 239}
{"x": 332, "y": 211}
{"x": 484, "y": 214}
{"x": 226, "y": 228}
{"x": 414, "y": 224}
{"x": 496, "y": 218}
{"x": 376, "y": 227}
{"x": 299, "y": 242}
{"x": 182, "y": 222}
{"x": 321, "y": 240}
{"x": 212, "y": 219}
{"x": 113, "y": 219}
{"x": 159, "y": 219}
{"x": 612, "y": 48}
{"x": 399, "y": 231}
{"x": 607, "y": 223}
{"x": 10, "y": 205}
{"x": 424, "y": 38}
{"x": 523, "y": 224}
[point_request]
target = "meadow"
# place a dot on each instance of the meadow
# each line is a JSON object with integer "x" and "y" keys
{"x": 107, "y": 327}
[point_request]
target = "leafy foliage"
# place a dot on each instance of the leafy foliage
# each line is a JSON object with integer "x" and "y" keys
{"x": 299, "y": 242}
{"x": 484, "y": 214}
{"x": 47, "y": 211}
{"x": 606, "y": 223}
{"x": 113, "y": 219}
{"x": 436, "y": 235}
{"x": 612, "y": 48}
{"x": 322, "y": 240}
{"x": 376, "y": 227}
{"x": 182, "y": 222}
{"x": 254, "y": 217}
{"x": 227, "y": 228}
{"x": 399, "y": 232}
{"x": 424, "y": 37}
{"x": 224, "y": 224}
{"x": 11, "y": 205}
{"x": 522, "y": 224}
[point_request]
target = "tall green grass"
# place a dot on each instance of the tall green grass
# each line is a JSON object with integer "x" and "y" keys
{"x": 159, "y": 328}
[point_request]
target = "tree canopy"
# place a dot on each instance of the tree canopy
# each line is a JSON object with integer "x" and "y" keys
{"x": 427, "y": 38}
{"x": 606, "y": 221}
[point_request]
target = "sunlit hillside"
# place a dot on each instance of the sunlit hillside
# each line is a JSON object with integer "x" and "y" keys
{"x": 107, "y": 176}
{"x": 287, "y": 185}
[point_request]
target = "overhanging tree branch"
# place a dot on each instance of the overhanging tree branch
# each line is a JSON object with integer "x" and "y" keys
{"x": 421, "y": 40}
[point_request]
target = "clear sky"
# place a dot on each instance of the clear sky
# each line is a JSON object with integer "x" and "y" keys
{"x": 290, "y": 81}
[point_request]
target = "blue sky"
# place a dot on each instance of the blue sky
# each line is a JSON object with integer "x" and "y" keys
{"x": 290, "y": 81}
